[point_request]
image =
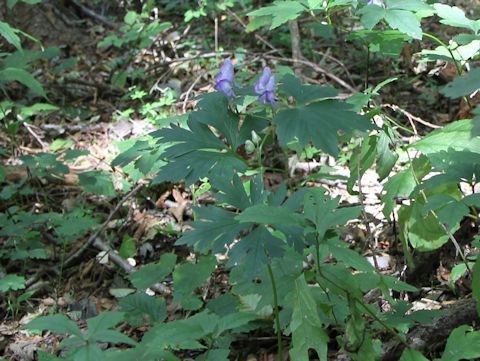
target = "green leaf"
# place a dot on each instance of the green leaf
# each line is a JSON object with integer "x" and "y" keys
{"x": 90, "y": 352}
{"x": 213, "y": 228}
{"x": 102, "y": 322}
{"x": 411, "y": 5}
{"x": 97, "y": 182}
{"x": 12, "y": 282}
{"x": 306, "y": 328}
{"x": 386, "y": 157}
{"x": 128, "y": 248}
{"x": 189, "y": 276}
{"x": 463, "y": 343}
{"x": 305, "y": 93}
{"x": 254, "y": 250}
{"x": 56, "y": 323}
{"x": 139, "y": 305}
{"x": 280, "y": 12}
{"x": 318, "y": 123}
{"x": 24, "y": 77}
{"x": 111, "y": 336}
{"x": 10, "y": 35}
{"x": 401, "y": 185}
{"x": 362, "y": 158}
{"x": 455, "y": 136}
{"x": 322, "y": 210}
{"x": 454, "y": 16}
{"x": 463, "y": 85}
{"x": 214, "y": 355}
{"x": 154, "y": 272}
{"x": 405, "y": 21}
{"x": 371, "y": 15}
{"x": 412, "y": 355}
{"x": 273, "y": 215}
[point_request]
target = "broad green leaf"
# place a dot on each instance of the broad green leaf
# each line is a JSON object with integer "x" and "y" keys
{"x": 322, "y": 211}
{"x": 56, "y": 323}
{"x": 463, "y": 343}
{"x": 411, "y": 5}
{"x": 103, "y": 321}
{"x": 386, "y": 157}
{"x": 213, "y": 228}
{"x": 128, "y": 248}
{"x": 10, "y": 35}
{"x": 214, "y": 355}
{"x": 291, "y": 85}
{"x": 454, "y": 16}
{"x": 12, "y": 282}
{"x": 307, "y": 330}
{"x": 463, "y": 85}
{"x": 111, "y": 336}
{"x": 189, "y": 276}
{"x": 454, "y": 136}
{"x": 405, "y": 21}
{"x": 153, "y": 272}
{"x": 401, "y": 185}
{"x": 412, "y": 355}
{"x": 254, "y": 250}
{"x": 372, "y": 15}
{"x": 24, "y": 77}
{"x": 280, "y": 12}
{"x": 138, "y": 305}
{"x": 97, "y": 182}
{"x": 273, "y": 215}
{"x": 182, "y": 334}
{"x": 89, "y": 352}
{"x": 318, "y": 123}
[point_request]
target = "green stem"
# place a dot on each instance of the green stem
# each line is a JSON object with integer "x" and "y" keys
{"x": 277, "y": 317}
{"x": 457, "y": 65}
{"x": 366, "y": 308}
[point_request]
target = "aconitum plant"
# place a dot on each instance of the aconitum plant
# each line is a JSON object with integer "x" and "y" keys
{"x": 224, "y": 79}
{"x": 265, "y": 87}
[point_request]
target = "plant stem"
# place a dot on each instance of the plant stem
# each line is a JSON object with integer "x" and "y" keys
{"x": 368, "y": 310}
{"x": 457, "y": 65}
{"x": 277, "y": 318}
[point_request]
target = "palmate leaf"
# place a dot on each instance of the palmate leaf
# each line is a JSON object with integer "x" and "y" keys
{"x": 307, "y": 330}
{"x": 189, "y": 276}
{"x": 305, "y": 93}
{"x": 454, "y": 16}
{"x": 213, "y": 228}
{"x": 254, "y": 251}
{"x": 318, "y": 123}
{"x": 463, "y": 85}
{"x": 153, "y": 272}
{"x": 280, "y": 12}
{"x": 198, "y": 152}
{"x": 322, "y": 211}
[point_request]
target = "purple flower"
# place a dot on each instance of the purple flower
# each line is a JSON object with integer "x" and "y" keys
{"x": 224, "y": 79}
{"x": 265, "y": 87}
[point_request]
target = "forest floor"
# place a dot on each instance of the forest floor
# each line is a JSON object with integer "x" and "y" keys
{"x": 92, "y": 117}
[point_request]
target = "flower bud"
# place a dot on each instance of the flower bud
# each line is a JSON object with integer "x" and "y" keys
{"x": 249, "y": 147}
{"x": 256, "y": 138}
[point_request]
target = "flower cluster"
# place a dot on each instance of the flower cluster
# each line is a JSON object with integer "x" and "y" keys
{"x": 264, "y": 87}
{"x": 376, "y": 2}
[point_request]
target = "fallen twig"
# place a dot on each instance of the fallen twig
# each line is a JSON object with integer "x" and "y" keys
{"x": 104, "y": 225}
{"x": 411, "y": 117}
